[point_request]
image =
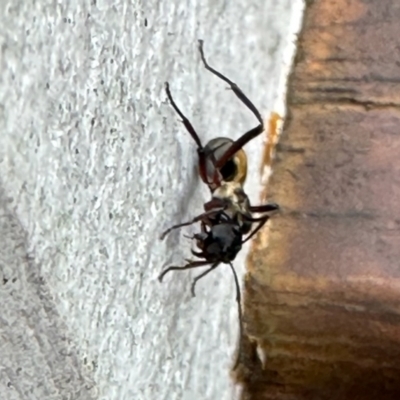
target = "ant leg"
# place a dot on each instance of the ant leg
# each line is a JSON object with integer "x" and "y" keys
{"x": 201, "y": 276}
{"x": 214, "y": 203}
{"x": 203, "y": 229}
{"x": 265, "y": 207}
{"x": 191, "y": 264}
{"x": 262, "y": 221}
{"x": 238, "y": 144}
{"x": 194, "y": 220}
{"x": 239, "y": 303}
{"x": 197, "y": 253}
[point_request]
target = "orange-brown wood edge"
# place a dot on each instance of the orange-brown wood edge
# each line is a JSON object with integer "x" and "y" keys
{"x": 322, "y": 292}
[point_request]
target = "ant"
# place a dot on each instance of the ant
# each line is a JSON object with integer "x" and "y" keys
{"x": 228, "y": 215}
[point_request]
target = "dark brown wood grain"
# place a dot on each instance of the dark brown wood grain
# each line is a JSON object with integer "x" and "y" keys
{"x": 322, "y": 293}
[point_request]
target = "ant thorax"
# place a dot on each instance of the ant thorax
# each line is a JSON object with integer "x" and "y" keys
{"x": 236, "y": 200}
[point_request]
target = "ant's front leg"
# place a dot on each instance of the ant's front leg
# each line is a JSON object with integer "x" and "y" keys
{"x": 191, "y": 264}
{"x": 202, "y": 275}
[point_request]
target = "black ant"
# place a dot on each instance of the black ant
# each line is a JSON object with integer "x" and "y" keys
{"x": 228, "y": 215}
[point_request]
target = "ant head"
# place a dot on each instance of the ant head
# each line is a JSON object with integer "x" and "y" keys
{"x": 234, "y": 170}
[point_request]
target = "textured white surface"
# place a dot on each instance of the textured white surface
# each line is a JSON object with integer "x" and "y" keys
{"x": 95, "y": 164}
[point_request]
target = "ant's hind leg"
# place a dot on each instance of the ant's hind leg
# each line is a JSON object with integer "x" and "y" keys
{"x": 191, "y": 264}
{"x": 202, "y": 275}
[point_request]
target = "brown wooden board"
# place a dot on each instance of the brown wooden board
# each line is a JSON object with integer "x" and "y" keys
{"x": 322, "y": 293}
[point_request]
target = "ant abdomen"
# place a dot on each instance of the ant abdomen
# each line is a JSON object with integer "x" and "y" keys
{"x": 234, "y": 170}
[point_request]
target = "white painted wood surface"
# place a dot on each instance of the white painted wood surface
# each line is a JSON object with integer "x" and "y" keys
{"x": 95, "y": 164}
